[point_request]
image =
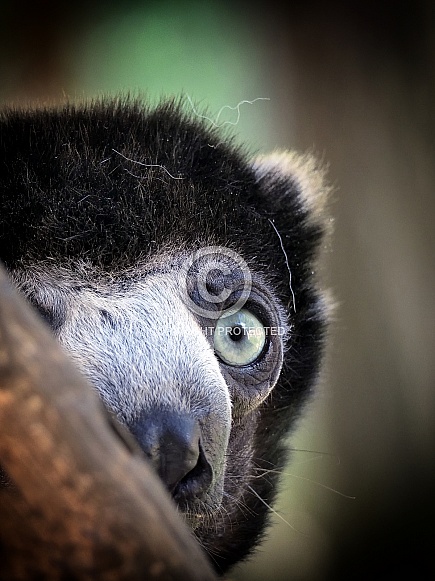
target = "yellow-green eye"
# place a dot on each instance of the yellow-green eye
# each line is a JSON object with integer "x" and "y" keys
{"x": 239, "y": 338}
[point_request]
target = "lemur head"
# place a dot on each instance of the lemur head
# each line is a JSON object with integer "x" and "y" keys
{"x": 180, "y": 277}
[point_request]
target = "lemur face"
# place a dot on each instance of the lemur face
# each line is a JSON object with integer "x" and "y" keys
{"x": 179, "y": 278}
{"x": 178, "y": 349}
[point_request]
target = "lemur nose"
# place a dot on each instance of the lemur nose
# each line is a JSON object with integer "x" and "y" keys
{"x": 172, "y": 443}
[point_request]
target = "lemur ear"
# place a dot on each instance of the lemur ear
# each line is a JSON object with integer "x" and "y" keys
{"x": 305, "y": 177}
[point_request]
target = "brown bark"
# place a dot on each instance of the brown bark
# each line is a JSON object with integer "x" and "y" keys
{"x": 85, "y": 504}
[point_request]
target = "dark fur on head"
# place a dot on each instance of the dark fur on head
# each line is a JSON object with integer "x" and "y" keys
{"x": 113, "y": 183}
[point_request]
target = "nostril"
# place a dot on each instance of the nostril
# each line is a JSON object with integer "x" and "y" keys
{"x": 177, "y": 454}
{"x": 195, "y": 482}
{"x": 172, "y": 443}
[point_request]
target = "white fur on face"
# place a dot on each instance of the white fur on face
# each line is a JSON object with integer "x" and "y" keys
{"x": 141, "y": 348}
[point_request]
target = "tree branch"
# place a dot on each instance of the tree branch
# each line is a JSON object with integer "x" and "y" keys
{"x": 85, "y": 504}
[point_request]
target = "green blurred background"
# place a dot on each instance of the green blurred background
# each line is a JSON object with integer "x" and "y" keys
{"x": 353, "y": 82}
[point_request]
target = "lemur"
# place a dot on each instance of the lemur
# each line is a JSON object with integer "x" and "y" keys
{"x": 181, "y": 277}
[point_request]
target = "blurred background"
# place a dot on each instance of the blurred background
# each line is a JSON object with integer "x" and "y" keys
{"x": 353, "y": 82}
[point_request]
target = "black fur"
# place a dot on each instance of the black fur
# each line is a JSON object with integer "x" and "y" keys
{"x": 70, "y": 188}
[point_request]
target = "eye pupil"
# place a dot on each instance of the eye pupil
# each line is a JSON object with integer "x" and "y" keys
{"x": 236, "y": 333}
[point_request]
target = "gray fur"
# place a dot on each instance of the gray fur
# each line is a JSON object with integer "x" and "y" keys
{"x": 140, "y": 347}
